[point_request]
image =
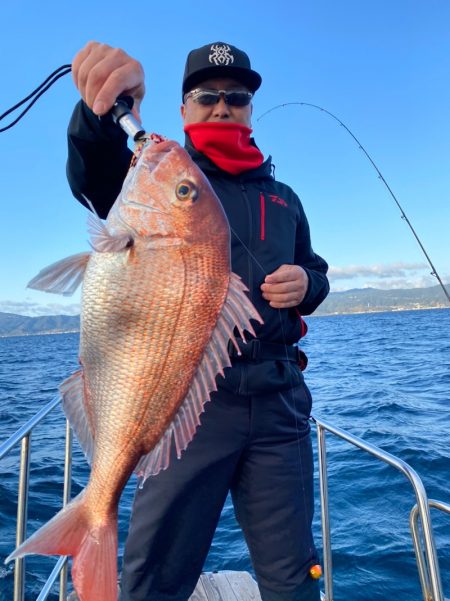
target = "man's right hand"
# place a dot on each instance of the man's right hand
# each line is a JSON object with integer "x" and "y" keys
{"x": 101, "y": 73}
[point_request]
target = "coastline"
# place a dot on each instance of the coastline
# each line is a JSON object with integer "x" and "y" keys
{"x": 356, "y": 311}
{"x": 43, "y": 333}
{"x": 377, "y": 310}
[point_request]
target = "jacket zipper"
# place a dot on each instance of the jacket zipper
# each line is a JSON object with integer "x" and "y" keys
{"x": 262, "y": 204}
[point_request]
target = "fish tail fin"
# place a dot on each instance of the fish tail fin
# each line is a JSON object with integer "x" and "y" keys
{"x": 94, "y": 568}
{"x": 93, "y": 547}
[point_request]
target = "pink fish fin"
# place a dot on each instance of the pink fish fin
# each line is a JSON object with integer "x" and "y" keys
{"x": 102, "y": 240}
{"x": 75, "y": 405}
{"x": 93, "y": 547}
{"x": 62, "y": 277}
{"x": 236, "y": 313}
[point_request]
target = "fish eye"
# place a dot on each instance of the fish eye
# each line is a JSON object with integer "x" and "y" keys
{"x": 186, "y": 190}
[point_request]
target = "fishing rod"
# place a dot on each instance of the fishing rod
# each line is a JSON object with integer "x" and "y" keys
{"x": 434, "y": 271}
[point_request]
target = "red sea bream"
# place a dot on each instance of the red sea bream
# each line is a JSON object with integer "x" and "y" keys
{"x": 159, "y": 307}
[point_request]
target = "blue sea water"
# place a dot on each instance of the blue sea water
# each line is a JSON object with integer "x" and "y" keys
{"x": 384, "y": 377}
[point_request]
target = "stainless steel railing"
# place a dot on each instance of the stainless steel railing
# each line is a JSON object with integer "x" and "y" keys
{"x": 424, "y": 546}
{"x": 23, "y": 436}
{"x": 421, "y": 558}
{"x": 425, "y": 551}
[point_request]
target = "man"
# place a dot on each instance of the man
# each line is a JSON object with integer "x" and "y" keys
{"x": 254, "y": 437}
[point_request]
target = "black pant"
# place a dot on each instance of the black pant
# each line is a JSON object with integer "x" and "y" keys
{"x": 258, "y": 446}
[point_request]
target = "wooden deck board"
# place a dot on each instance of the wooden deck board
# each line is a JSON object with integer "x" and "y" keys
{"x": 226, "y": 586}
{"x": 243, "y": 585}
{"x": 220, "y": 586}
{"x": 217, "y": 587}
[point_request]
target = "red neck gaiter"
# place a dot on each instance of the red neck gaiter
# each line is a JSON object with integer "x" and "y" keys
{"x": 227, "y": 145}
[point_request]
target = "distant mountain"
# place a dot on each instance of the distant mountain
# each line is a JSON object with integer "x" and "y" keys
{"x": 21, "y": 325}
{"x": 367, "y": 300}
{"x": 360, "y": 300}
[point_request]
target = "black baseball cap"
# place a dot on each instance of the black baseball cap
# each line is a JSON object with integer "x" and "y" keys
{"x": 219, "y": 60}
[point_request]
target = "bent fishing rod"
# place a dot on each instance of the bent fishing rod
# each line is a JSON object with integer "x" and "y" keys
{"x": 121, "y": 114}
{"x": 403, "y": 215}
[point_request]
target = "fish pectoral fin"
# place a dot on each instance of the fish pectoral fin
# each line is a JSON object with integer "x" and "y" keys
{"x": 102, "y": 240}
{"x": 237, "y": 311}
{"x": 62, "y": 277}
{"x": 75, "y": 406}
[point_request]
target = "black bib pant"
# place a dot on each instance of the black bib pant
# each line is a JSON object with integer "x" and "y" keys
{"x": 254, "y": 440}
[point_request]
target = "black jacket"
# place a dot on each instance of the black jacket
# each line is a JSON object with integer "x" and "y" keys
{"x": 268, "y": 224}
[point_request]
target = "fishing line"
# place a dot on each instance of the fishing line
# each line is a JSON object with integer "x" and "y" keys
{"x": 35, "y": 95}
{"x": 434, "y": 271}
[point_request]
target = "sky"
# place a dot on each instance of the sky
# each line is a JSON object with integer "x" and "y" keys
{"x": 381, "y": 67}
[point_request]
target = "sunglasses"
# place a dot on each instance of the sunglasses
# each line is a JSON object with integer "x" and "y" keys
{"x": 210, "y": 97}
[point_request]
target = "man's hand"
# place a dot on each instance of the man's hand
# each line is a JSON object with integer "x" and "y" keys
{"x": 285, "y": 287}
{"x": 102, "y": 73}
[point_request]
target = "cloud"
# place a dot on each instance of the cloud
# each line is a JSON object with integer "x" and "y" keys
{"x": 424, "y": 281}
{"x": 378, "y": 271}
{"x": 33, "y": 309}
{"x": 385, "y": 277}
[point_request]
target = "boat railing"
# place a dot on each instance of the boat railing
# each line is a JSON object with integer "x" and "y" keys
{"x": 424, "y": 546}
{"x": 421, "y": 558}
{"x": 23, "y": 437}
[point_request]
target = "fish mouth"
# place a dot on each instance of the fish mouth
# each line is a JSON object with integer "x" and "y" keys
{"x": 157, "y": 153}
{"x": 152, "y": 158}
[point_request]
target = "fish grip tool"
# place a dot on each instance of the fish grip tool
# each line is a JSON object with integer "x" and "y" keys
{"x": 122, "y": 115}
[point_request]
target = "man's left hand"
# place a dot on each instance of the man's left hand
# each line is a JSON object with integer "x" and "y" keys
{"x": 285, "y": 287}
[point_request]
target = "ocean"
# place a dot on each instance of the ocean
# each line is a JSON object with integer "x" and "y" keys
{"x": 382, "y": 376}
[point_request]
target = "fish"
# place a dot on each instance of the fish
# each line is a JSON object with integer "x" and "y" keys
{"x": 160, "y": 307}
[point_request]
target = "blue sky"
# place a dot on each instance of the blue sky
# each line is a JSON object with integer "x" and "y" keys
{"x": 381, "y": 66}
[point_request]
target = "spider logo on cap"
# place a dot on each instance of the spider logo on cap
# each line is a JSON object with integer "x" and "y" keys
{"x": 220, "y": 55}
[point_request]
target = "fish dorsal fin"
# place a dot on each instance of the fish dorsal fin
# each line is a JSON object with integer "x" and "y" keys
{"x": 74, "y": 403}
{"x": 62, "y": 277}
{"x": 236, "y": 313}
{"x": 102, "y": 240}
